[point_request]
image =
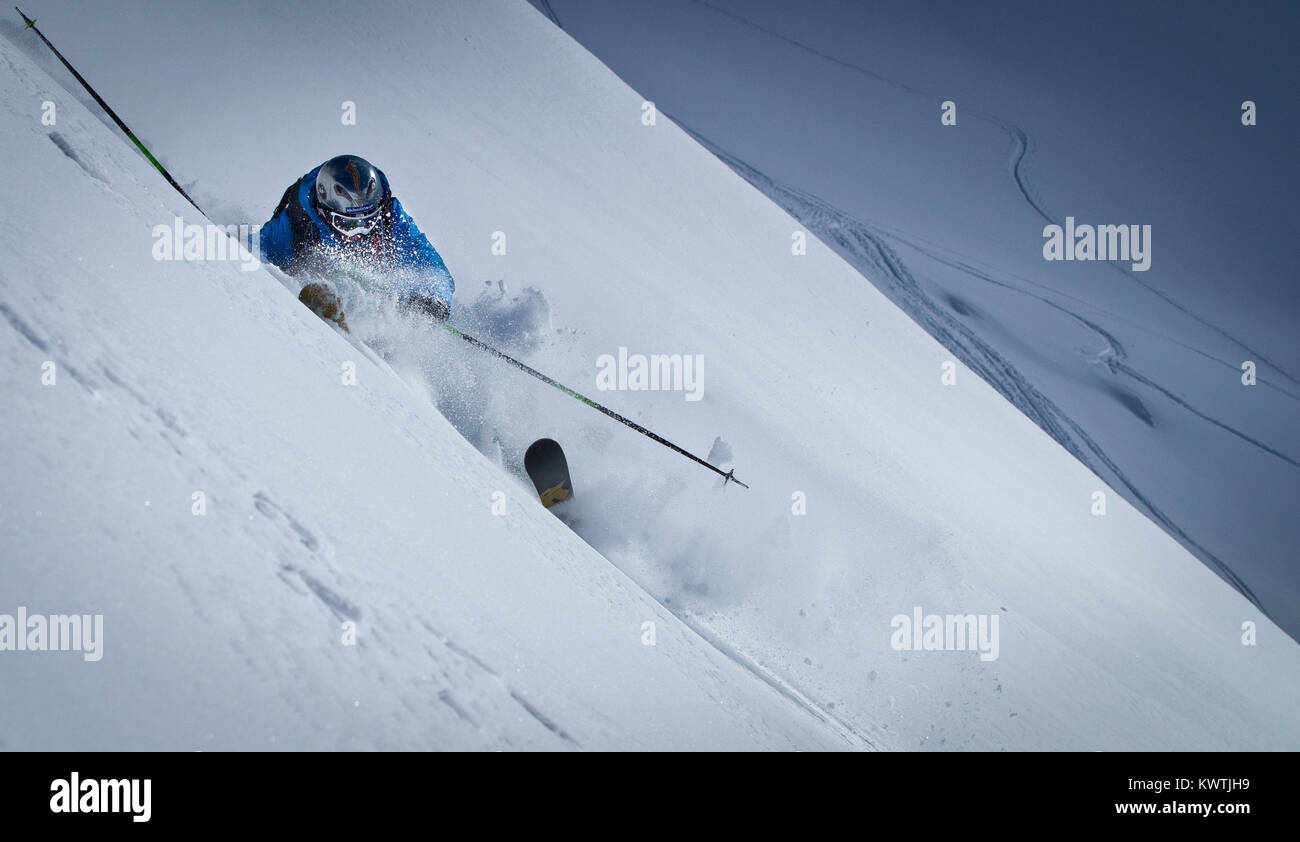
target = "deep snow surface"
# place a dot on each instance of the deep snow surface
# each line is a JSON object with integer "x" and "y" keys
{"x": 1110, "y": 112}
{"x": 330, "y": 502}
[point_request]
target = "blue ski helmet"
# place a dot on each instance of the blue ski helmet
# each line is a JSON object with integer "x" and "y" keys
{"x": 350, "y": 194}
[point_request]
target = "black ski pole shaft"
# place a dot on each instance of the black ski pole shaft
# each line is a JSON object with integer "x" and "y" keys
{"x": 31, "y": 24}
{"x": 727, "y": 476}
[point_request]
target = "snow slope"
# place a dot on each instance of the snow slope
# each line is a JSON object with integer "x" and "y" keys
{"x": 325, "y": 504}
{"x": 1108, "y": 112}
{"x": 328, "y": 502}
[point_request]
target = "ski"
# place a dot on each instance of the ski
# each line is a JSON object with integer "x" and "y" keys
{"x": 549, "y": 470}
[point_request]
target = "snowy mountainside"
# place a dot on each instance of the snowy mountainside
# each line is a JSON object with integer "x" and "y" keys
{"x": 325, "y": 504}
{"x": 931, "y": 145}
{"x": 328, "y": 501}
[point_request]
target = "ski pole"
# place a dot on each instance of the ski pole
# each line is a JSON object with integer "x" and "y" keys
{"x": 727, "y": 476}
{"x": 31, "y": 24}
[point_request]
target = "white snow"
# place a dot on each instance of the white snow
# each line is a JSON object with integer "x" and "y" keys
{"x": 1109, "y": 112}
{"x": 328, "y": 502}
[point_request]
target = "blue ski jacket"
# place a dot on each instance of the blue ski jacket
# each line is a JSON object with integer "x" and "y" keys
{"x": 296, "y": 230}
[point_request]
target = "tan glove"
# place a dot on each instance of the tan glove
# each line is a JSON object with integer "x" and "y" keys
{"x": 324, "y": 302}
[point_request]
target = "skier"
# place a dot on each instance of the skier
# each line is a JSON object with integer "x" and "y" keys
{"x": 345, "y": 209}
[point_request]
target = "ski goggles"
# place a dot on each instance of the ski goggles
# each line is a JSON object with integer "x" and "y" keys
{"x": 355, "y": 225}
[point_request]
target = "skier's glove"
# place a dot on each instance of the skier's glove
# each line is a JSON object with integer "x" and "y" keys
{"x": 324, "y": 302}
{"x": 429, "y": 305}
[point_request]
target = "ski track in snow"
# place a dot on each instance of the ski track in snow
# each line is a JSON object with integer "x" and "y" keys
{"x": 777, "y": 682}
{"x": 1016, "y": 167}
{"x": 516, "y": 325}
{"x": 865, "y": 247}
{"x": 485, "y": 695}
{"x": 299, "y": 537}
